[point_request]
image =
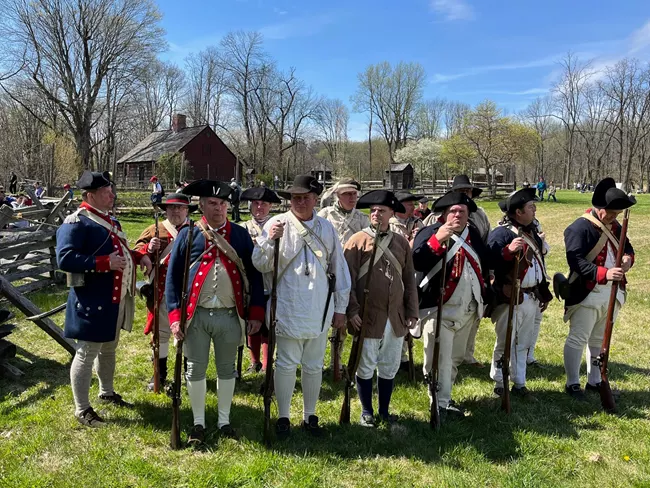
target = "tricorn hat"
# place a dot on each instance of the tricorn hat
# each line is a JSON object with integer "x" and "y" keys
{"x": 260, "y": 193}
{"x": 208, "y": 188}
{"x": 607, "y": 196}
{"x": 302, "y": 184}
{"x": 179, "y": 199}
{"x": 381, "y": 197}
{"x": 92, "y": 180}
{"x": 405, "y": 196}
{"x": 452, "y": 198}
{"x": 518, "y": 199}
{"x": 461, "y": 182}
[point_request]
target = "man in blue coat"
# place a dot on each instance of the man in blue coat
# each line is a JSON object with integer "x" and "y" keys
{"x": 227, "y": 294}
{"x": 592, "y": 242}
{"x": 93, "y": 251}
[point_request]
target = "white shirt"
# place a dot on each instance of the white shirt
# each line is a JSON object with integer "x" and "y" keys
{"x": 301, "y": 296}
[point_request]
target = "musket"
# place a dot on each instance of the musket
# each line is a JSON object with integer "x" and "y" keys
{"x": 409, "y": 343}
{"x": 606, "y": 397}
{"x": 504, "y": 362}
{"x": 336, "y": 339}
{"x": 240, "y": 360}
{"x": 357, "y": 341}
{"x": 155, "y": 337}
{"x": 432, "y": 378}
{"x": 268, "y": 377}
{"x": 176, "y": 386}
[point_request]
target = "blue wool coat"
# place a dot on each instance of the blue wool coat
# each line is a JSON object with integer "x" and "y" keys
{"x": 84, "y": 247}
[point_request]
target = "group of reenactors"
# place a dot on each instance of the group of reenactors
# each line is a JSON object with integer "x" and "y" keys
{"x": 323, "y": 282}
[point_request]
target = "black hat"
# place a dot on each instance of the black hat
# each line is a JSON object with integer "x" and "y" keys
{"x": 607, "y": 196}
{"x": 423, "y": 200}
{"x": 260, "y": 193}
{"x": 208, "y": 188}
{"x": 452, "y": 198}
{"x": 461, "y": 182}
{"x": 518, "y": 199}
{"x": 405, "y": 196}
{"x": 302, "y": 184}
{"x": 92, "y": 180}
{"x": 381, "y": 197}
{"x": 179, "y": 199}
{"x": 348, "y": 184}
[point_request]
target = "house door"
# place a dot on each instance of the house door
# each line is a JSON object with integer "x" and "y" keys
{"x": 141, "y": 175}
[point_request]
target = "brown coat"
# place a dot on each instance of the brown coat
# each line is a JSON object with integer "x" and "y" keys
{"x": 389, "y": 297}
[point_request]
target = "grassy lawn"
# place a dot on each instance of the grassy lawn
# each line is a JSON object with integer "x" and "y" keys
{"x": 553, "y": 442}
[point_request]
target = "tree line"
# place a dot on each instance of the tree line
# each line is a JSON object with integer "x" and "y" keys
{"x": 82, "y": 82}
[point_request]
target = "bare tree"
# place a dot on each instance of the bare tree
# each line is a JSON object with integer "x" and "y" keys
{"x": 538, "y": 113}
{"x": 68, "y": 48}
{"x": 331, "y": 121}
{"x": 428, "y": 119}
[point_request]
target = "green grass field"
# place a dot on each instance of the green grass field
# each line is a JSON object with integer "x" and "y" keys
{"x": 553, "y": 442}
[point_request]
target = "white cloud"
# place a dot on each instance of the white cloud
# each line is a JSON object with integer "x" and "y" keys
{"x": 279, "y": 11}
{"x": 639, "y": 40}
{"x": 453, "y": 9}
{"x": 523, "y": 93}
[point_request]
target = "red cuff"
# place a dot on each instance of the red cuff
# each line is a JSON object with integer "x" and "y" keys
{"x": 102, "y": 264}
{"x": 435, "y": 246}
{"x": 255, "y": 312}
{"x": 174, "y": 316}
{"x": 601, "y": 275}
{"x": 507, "y": 254}
{"x": 138, "y": 255}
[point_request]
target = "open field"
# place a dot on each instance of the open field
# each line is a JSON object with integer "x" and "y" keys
{"x": 553, "y": 442}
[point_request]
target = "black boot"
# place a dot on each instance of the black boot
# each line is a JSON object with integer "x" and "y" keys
{"x": 162, "y": 368}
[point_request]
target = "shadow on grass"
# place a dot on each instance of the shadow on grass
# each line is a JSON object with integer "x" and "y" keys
{"x": 36, "y": 370}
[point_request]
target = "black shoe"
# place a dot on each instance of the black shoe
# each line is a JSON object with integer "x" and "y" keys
{"x": 535, "y": 364}
{"x": 498, "y": 391}
{"x": 90, "y": 418}
{"x": 523, "y": 393}
{"x": 197, "y": 435}
{"x": 404, "y": 366}
{"x": 312, "y": 426}
{"x": 254, "y": 368}
{"x": 367, "y": 421}
{"x": 229, "y": 432}
{"x": 592, "y": 388}
{"x": 575, "y": 392}
{"x": 282, "y": 428}
{"x": 115, "y": 399}
{"x": 389, "y": 419}
{"x": 454, "y": 410}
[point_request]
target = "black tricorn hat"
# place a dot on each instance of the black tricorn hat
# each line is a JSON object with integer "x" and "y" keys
{"x": 607, "y": 196}
{"x": 461, "y": 182}
{"x": 452, "y": 198}
{"x": 302, "y": 184}
{"x": 405, "y": 196}
{"x": 260, "y": 193}
{"x": 208, "y": 188}
{"x": 518, "y": 199}
{"x": 179, "y": 199}
{"x": 92, "y": 180}
{"x": 381, "y": 197}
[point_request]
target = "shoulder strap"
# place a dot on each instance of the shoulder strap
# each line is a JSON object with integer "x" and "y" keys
{"x": 308, "y": 238}
{"x": 595, "y": 251}
{"x": 603, "y": 228}
{"x": 381, "y": 249}
{"x": 451, "y": 253}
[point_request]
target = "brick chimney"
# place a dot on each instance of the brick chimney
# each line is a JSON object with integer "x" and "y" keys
{"x": 179, "y": 122}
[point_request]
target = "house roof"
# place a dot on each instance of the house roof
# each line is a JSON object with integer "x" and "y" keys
{"x": 161, "y": 142}
{"x": 481, "y": 171}
{"x": 321, "y": 167}
{"x": 398, "y": 167}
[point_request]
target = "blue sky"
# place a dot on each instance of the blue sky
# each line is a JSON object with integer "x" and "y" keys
{"x": 504, "y": 50}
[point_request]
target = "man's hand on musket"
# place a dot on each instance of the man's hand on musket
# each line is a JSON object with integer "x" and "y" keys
{"x": 276, "y": 231}
{"x": 339, "y": 320}
{"x": 145, "y": 265}
{"x": 176, "y": 330}
{"x": 254, "y": 327}
{"x": 445, "y": 232}
{"x": 117, "y": 262}
{"x": 356, "y": 322}
{"x": 626, "y": 263}
{"x": 615, "y": 274}
{"x": 154, "y": 245}
{"x": 543, "y": 306}
{"x": 517, "y": 244}
{"x": 410, "y": 322}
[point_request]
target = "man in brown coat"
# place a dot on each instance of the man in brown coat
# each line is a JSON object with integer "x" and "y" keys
{"x": 392, "y": 301}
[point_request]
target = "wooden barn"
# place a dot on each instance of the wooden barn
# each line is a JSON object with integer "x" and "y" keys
{"x": 401, "y": 176}
{"x": 206, "y": 154}
{"x": 478, "y": 175}
{"x": 322, "y": 172}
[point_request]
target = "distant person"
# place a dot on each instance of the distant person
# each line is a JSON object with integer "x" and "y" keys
{"x": 68, "y": 190}
{"x": 39, "y": 191}
{"x": 276, "y": 182}
{"x": 4, "y": 200}
{"x": 13, "y": 183}
{"x": 526, "y": 183}
{"x": 423, "y": 210}
{"x": 157, "y": 191}
{"x": 541, "y": 188}
{"x": 551, "y": 192}
{"x": 234, "y": 200}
